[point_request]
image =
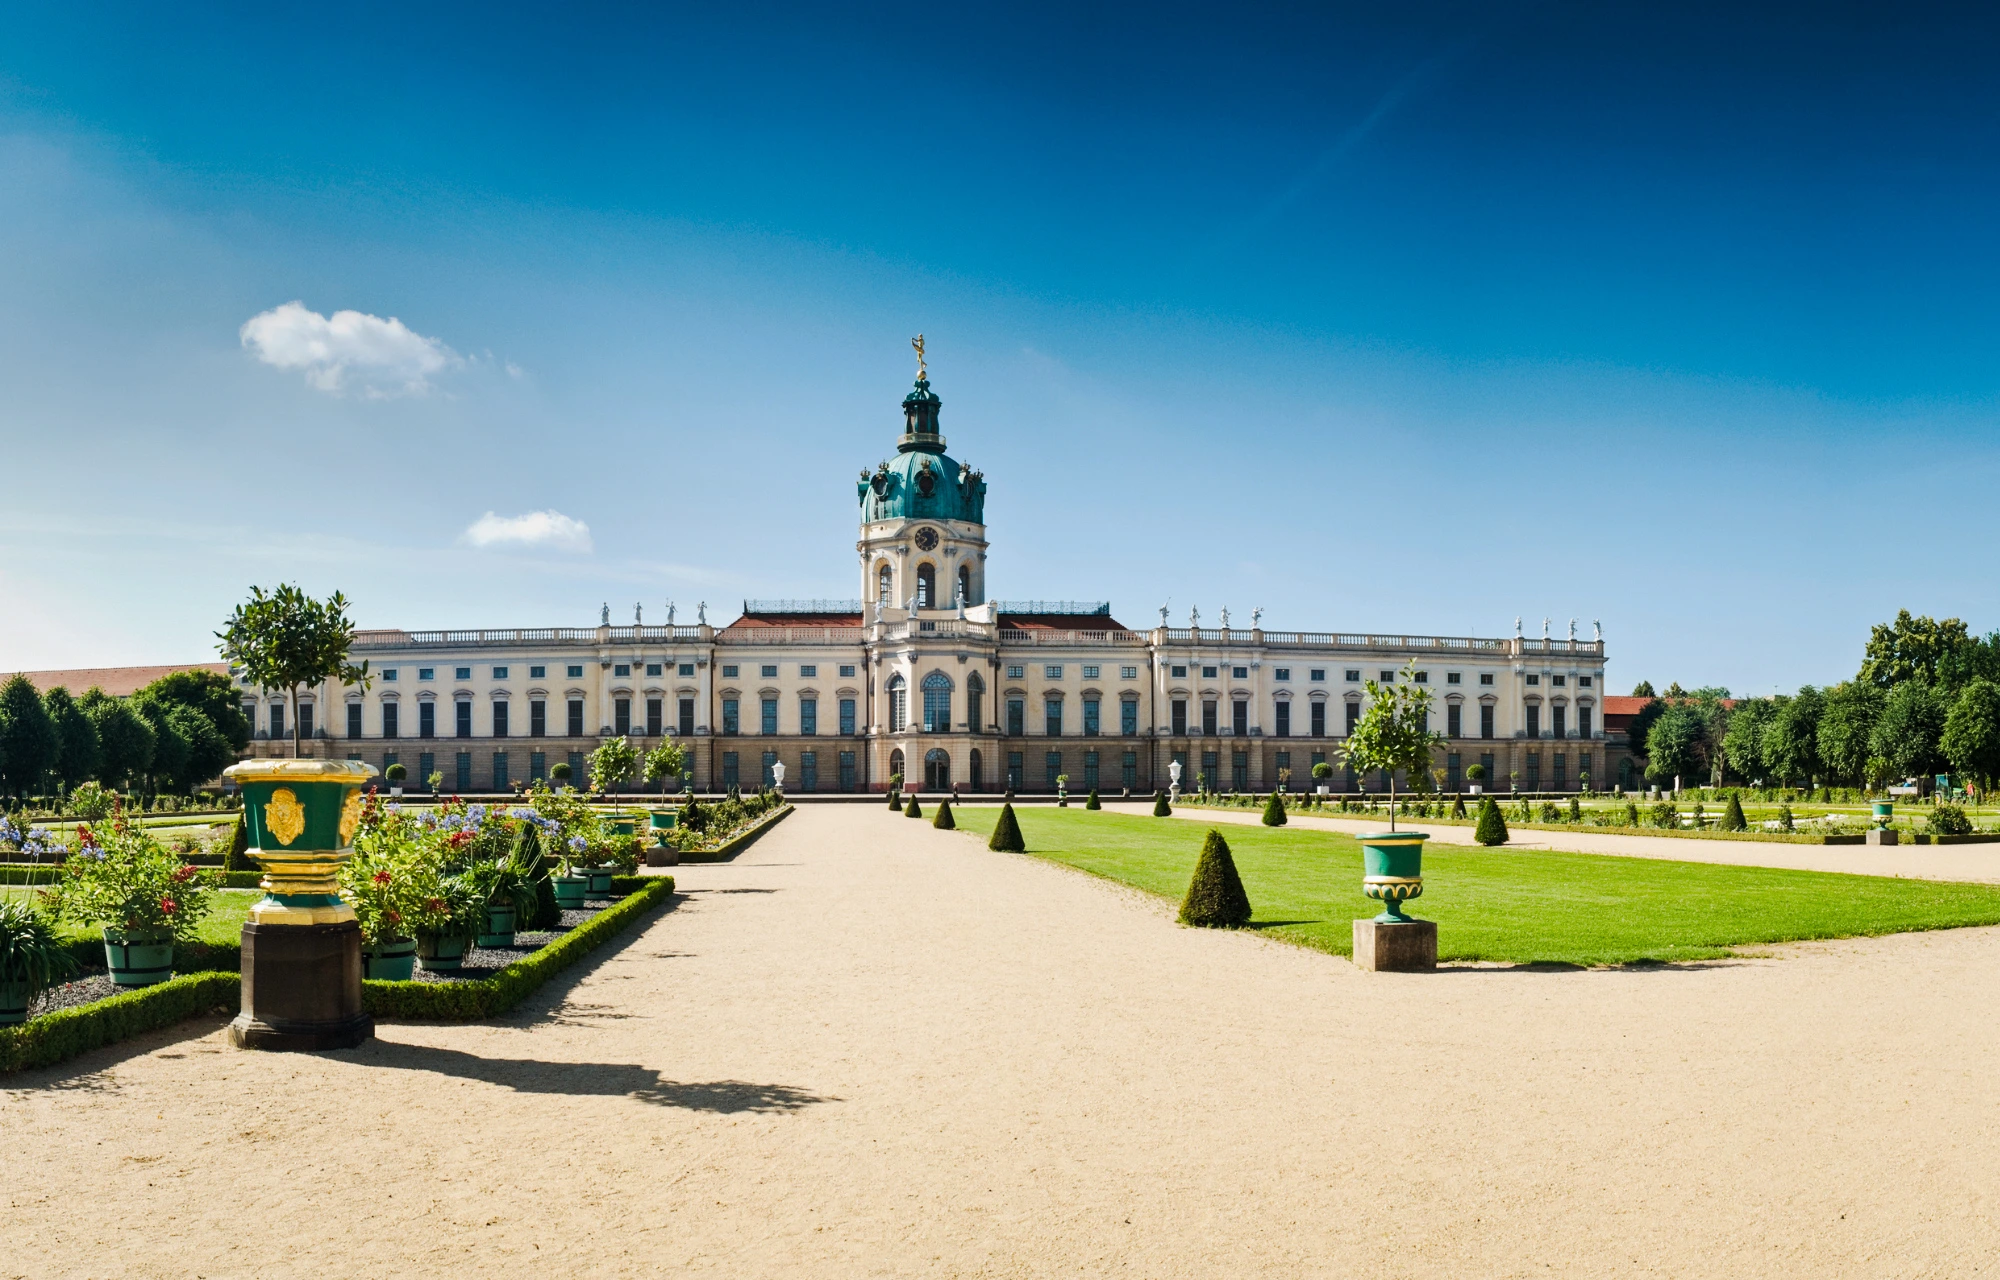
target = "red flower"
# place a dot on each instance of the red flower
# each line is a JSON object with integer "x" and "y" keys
{"x": 169, "y": 906}
{"x": 382, "y": 877}
{"x": 86, "y": 837}
{"x": 434, "y": 904}
{"x": 186, "y": 873}
{"x": 393, "y": 917}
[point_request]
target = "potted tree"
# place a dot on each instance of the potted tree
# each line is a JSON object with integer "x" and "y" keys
{"x": 1322, "y": 773}
{"x": 1392, "y": 735}
{"x": 32, "y": 959}
{"x": 1062, "y": 791}
{"x": 661, "y": 763}
{"x": 144, "y": 898}
{"x": 560, "y": 773}
{"x": 1475, "y": 775}
{"x": 395, "y": 774}
{"x": 377, "y": 882}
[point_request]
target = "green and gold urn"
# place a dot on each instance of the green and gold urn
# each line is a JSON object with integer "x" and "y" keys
{"x": 301, "y": 945}
{"x": 1392, "y": 870}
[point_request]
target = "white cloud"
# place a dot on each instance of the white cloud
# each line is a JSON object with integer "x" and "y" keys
{"x": 348, "y": 351}
{"x": 551, "y": 529}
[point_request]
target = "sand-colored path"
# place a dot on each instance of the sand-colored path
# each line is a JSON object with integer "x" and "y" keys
{"x": 1976, "y": 862}
{"x": 868, "y": 1048}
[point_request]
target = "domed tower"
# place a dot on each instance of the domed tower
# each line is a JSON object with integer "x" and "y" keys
{"x": 923, "y": 517}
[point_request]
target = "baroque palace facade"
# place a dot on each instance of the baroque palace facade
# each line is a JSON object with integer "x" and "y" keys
{"x": 926, "y": 676}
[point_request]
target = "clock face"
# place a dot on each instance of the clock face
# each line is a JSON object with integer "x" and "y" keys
{"x": 926, "y": 538}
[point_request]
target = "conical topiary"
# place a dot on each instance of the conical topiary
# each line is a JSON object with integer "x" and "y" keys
{"x": 1092, "y": 802}
{"x": 1492, "y": 828}
{"x": 1161, "y": 809}
{"x": 895, "y": 794}
{"x": 1575, "y": 810}
{"x": 1007, "y": 833}
{"x": 1458, "y": 806}
{"x": 943, "y": 820}
{"x": 1732, "y": 817}
{"x": 1274, "y": 811}
{"x": 238, "y": 857}
{"x": 1215, "y": 897}
{"x": 913, "y": 809}
{"x": 1631, "y": 814}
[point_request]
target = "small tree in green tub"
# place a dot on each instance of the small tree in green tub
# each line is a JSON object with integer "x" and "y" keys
{"x": 1392, "y": 734}
{"x": 1215, "y": 897}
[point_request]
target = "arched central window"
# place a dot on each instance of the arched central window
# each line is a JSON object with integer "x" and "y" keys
{"x": 885, "y": 586}
{"x": 899, "y": 704}
{"x": 974, "y": 686}
{"x": 965, "y": 583}
{"x": 926, "y": 587}
{"x": 937, "y": 703}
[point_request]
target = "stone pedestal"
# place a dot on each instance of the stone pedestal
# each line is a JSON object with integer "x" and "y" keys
{"x": 1879, "y": 835}
{"x": 301, "y": 988}
{"x": 1405, "y": 946}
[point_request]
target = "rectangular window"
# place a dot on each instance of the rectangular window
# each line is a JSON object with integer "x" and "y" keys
{"x": 1128, "y": 673}
{"x": 767, "y": 769}
{"x": 1534, "y": 679}
{"x": 1017, "y": 717}
{"x": 808, "y": 716}
{"x": 767, "y": 716}
{"x": 388, "y": 758}
{"x": 1582, "y": 726}
{"x": 1534, "y": 771}
{"x": 686, "y": 668}
{"x": 391, "y": 713}
{"x": 1534, "y": 721}
{"x": 1353, "y": 677}
{"x": 1283, "y": 720}
{"x": 353, "y": 719}
{"x": 1090, "y": 673}
{"x": 1239, "y": 673}
{"x": 768, "y": 671}
{"x": 1451, "y": 677}
{"x": 1052, "y": 763}
{"x": 462, "y": 673}
{"x": 1180, "y": 717}
{"x": 1451, "y": 771}
{"x": 1486, "y": 720}
{"x": 576, "y": 717}
{"x": 1014, "y": 770}
{"x": 654, "y": 669}
{"x": 622, "y": 669}
{"x": 427, "y": 720}
{"x": 499, "y": 770}
{"x": 1090, "y": 771}
{"x": 1281, "y": 762}
{"x": 808, "y": 672}
{"x": 1318, "y": 674}
{"x": 1239, "y": 770}
{"x": 808, "y": 771}
{"x": 575, "y": 671}
{"x": 1558, "y": 681}
{"x": 1051, "y": 673}
{"x": 305, "y": 720}
{"x": 538, "y": 718}
{"x": 1582, "y": 682}
{"x": 1486, "y": 763}
{"x": 656, "y": 717}
{"x": 1451, "y": 720}
{"x": 1187, "y": 774}
{"x": 1559, "y": 771}
{"x": 1239, "y": 718}
{"x": 277, "y": 720}
{"x": 686, "y": 709}
{"x": 425, "y": 673}
{"x": 729, "y": 724}
{"x": 1128, "y": 717}
{"x": 538, "y": 766}
{"x": 1556, "y": 718}
{"x": 1423, "y": 677}
{"x": 847, "y": 671}
{"x": 732, "y": 775}
{"x": 426, "y": 766}
{"x": 1128, "y": 771}
{"x": 1179, "y": 673}
{"x": 847, "y": 716}
{"x": 389, "y": 675}
{"x": 621, "y": 716}
{"x": 464, "y": 771}
{"x": 1353, "y": 718}
{"x": 1385, "y": 677}
{"x": 499, "y": 719}
{"x": 729, "y": 672}
{"x": 1208, "y": 718}
{"x": 576, "y": 778}
{"x": 537, "y": 673}
{"x": 1052, "y": 716}
{"x": 462, "y": 719}
{"x": 1090, "y": 720}
{"x": 847, "y": 778}
{"x": 972, "y": 699}
{"x": 1583, "y": 770}
{"x": 1319, "y": 718}
{"x": 499, "y": 673}
{"x": 1281, "y": 673}
{"x": 1208, "y": 673}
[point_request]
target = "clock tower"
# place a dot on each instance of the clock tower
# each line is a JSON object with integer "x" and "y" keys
{"x": 923, "y": 518}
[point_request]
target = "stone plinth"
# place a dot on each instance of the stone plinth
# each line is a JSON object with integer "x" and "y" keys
{"x": 301, "y": 988}
{"x": 1879, "y": 835}
{"x": 1405, "y": 946}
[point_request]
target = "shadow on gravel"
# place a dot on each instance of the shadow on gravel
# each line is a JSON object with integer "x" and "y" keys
{"x": 1563, "y": 966}
{"x": 599, "y": 1080}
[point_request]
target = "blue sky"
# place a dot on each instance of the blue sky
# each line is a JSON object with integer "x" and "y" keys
{"x": 1412, "y": 321}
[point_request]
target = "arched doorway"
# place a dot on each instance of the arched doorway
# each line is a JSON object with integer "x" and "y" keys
{"x": 937, "y": 770}
{"x": 937, "y": 703}
{"x": 895, "y": 762}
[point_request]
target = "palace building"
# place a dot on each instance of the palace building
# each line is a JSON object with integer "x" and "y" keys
{"x": 927, "y": 676}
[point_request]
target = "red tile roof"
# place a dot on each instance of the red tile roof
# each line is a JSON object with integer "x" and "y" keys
{"x": 119, "y": 682}
{"x": 1616, "y": 705}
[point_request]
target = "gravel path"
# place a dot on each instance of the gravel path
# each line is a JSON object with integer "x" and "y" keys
{"x": 868, "y": 1048}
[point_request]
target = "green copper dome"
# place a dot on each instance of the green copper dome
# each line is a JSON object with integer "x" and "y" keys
{"x": 922, "y": 481}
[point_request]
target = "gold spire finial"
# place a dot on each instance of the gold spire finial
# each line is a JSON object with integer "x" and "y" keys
{"x": 918, "y": 343}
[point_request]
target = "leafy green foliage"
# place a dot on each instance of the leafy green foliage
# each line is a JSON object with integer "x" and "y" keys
{"x": 29, "y": 748}
{"x": 1846, "y": 726}
{"x": 1907, "y": 735}
{"x": 287, "y": 639}
{"x": 76, "y": 738}
{"x": 664, "y": 762}
{"x": 1492, "y": 828}
{"x": 1458, "y": 806}
{"x": 1911, "y": 649}
{"x": 943, "y": 820}
{"x": 1790, "y": 741}
{"x": 1971, "y": 738}
{"x": 1391, "y": 733}
{"x": 1274, "y": 811}
{"x": 1644, "y": 689}
{"x": 124, "y": 738}
{"x": 1675, "y": 743}
{"x": 1007, "y": 833}
{"x": 30, "y": 949}
{"x": 1785, "y": 822}
{"x": 238, "y": 857}
{"x": 1215, "y": 897}
{"x": 612, "y": 763}
{"x": 1665, "y": 816}
{"x": 1631, "y": 814}
{"x": 119, "y": 877}
{"x": 1948, "y": 820}
{"x": 62, "y": 1035}
{"x": 1092, "y": 801}
{"x": 1732, "y": 817}
{"x": 209, "y": 692}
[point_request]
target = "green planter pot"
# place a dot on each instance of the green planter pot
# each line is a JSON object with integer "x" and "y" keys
{"x": 1885, "y": 812}
{"x": 442, "y": 955}
{"x": 15, "y": 998}
{"x": 600, "y": 882}
{"x": 623, "y": 826}
{"x": 499, "y": 927}
{"x": 663, "y": 819}
{"x": 140, "y": 957}
{"x": 391, "y": 961}
{"x": 569, "y": 891}
{"x": 1392, "y": 870}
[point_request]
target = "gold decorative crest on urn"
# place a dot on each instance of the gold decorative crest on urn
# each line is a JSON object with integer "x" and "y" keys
{"x": 284, "y": 816}
{"x": 350, "y": 818}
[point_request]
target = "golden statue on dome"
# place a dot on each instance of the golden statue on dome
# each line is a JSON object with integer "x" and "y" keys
{"x": 918, "y": 343}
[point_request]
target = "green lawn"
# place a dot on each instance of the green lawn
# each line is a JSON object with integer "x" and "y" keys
{"x": 1499, "y": 904}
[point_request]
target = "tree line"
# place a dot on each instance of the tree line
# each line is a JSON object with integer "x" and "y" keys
{"x": 169, "y": 737}
{"x": 1925, "y": 701}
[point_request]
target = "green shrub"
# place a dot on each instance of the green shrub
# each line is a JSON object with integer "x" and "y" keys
{"x": 1550, "y": 813}
{"x": 1274, "y": 811}
{"x": 895, "y": 791}
{"x": 1666, "y": 817}
{"x": 1631, "y": 814}
{"x": 1575, "y": 810}
{"x": 1215, "y": 897}
{"x": 1492, "y": 828}
{"x": 913, "y": 809}
{"x": 943, "y": 820}
{"x": 1458, "y": 806}
{"x": 1092, "y": 803}
{"x": 1785, "y": 818}
{"x": 238, "y": 857}
{"x": 62, "y": 1035}
{"x": 1161, "y": 809}
{"x": 1007, "y": 833}
{"x": 1732, "y": 817}
{"x": 1948, "y": 820}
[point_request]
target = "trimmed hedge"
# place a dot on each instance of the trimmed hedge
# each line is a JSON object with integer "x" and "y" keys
{"x": 62, "y": 1035}
{"x": 490, "y": 997}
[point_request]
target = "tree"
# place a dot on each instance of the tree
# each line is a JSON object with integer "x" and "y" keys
{"x": 1007, "y": 833}
{"x": 1643, "y": 689}
{"x": 1971, "y": 740}
{"x": 1907, "y": 735}
{"x": 1215, "y": 897}
{"x": 664, "y": 761}
{"x": 1641, "y": 724}
{"x": 287, "y": 640}
{"x": 76, "y": 738}
{"x": 611, "y": 764}
{"x": 1732, "y": 817}
{"x": 1675, "y": 743}
{"x": 209, "y": 692}
{"x": 171, "y": 747}
{"x": 1791, "y": 739}
{"x": 1743, "y": 742}
{"x": 1845, "y": 727}
{"x": 124, "y": 738}
{"x": 1392, "y": 733}
{"x": 1492, "y": 828}
{"x": 1911, "y": 649}
{"x": 1274, "y": 811}
{"x": 29, "y": 748}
